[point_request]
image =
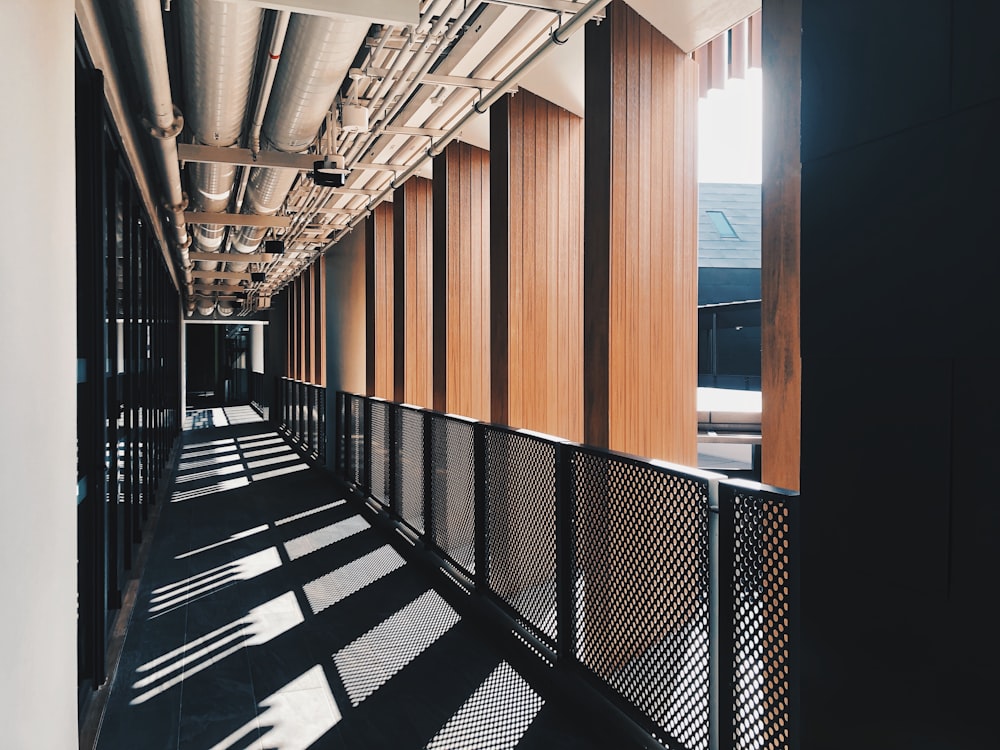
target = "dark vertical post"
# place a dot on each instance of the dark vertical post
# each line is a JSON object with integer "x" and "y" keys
{"x": 439, "y": 284}
{"x": 481, "y": 505}
{"x": 392, "y": 417}
{"x": 499, "y": 255}
{"x": 794, "y": 623}
{"x": 429, "y": 469}
{"x": 366, "y": 420}
{"x": 565, "y": 586}
{"x": 721, "y": 615}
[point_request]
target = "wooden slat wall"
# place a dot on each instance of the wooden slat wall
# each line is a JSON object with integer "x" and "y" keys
{"x": 319, "y": 351}
{"x": 781, "y": 359}
{"x": 537, "y": 193}
{"x": 646, "y": 127}
{"x": 382, "y": 299}
{"x": 462, "y": 281}
{"x": 305, "y": 340}
{"x": 413, "y": 241}
{"x": 303, "y": 283}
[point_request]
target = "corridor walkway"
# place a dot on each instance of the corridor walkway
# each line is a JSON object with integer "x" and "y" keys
{"x": 271, "y": 615}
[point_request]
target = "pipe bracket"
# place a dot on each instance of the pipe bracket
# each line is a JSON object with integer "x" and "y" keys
{"x": 165, "y": 134}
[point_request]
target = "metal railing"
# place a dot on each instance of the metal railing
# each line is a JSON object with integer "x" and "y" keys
{"x": 256, "y": 395}
{"x": 672, "y": 592}
{"x": 302, "y": 416}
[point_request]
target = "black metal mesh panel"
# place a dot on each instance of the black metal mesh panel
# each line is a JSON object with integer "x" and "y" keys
{"x": 453, "y": 490}
{"x": 410, "y": 467}
{"x": 313, "y": 393}
{"x": 321, "y": 423}
{"x": 761, "y": 622}
{"x": 640, "y": 536}
{"x": 286, "y": 403}
{"x": 300, "y": 410}
{"x": 521, "y": 497}
{"x": 356, "y": 440}
{"x": 380, "y": 450}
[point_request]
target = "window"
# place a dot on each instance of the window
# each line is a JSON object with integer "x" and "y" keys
{"x": 722, "y": 225}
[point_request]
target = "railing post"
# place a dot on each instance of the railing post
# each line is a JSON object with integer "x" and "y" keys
{"x": 338, "y": 433}
{"x": 392, "y": 413}
{"x": 366, "y": 471}
{"x": 428, "y": 478}
{"x": 481, "y": 505}
{"x": 722, "y": 535}
{"x": 565, "y": 584}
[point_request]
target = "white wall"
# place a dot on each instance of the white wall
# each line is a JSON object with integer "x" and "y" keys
{"x": 257, "y": 348}
{"x": 38, "y": 379}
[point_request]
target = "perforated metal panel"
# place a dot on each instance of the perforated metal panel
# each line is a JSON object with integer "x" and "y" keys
{"x": 761, "y": 622}
{"x": 641, "y": 595}
{"x": 380, "y": 450}
{"x": 410, "y": 467}
{"x": 452, "y": 490}
{"x": 321, "y": 423}
{"x": 521, "y": 498}
{"x": 356, "y": 440}
{"x": 311, "y": 395}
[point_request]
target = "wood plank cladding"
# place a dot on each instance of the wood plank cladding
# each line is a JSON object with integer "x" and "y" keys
{"x": 641, "y": 241}
{"x": 536, "y": 247}
{"x": 781, "y": 190}
{"x": 462, "y": 281}
{"x": 305, "y": 339}
{"x": 381, "y": 298}
{"x": 413, "y": 243}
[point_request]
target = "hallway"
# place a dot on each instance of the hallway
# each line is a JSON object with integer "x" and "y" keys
{"x": 272, "y": 615}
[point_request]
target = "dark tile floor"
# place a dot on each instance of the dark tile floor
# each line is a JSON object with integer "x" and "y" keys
{"x": 272, "y": 616}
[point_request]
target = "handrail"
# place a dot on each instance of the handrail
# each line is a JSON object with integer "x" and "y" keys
{"x": 634, "y": 576}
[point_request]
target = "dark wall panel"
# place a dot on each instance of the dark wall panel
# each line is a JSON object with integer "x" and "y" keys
{"x": 874, "y": 69}
{"x": 898, "y": 392}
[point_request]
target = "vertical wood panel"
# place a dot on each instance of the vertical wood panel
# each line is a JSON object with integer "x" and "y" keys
{"x": 305, "y": 284}
{"x": 413, "y": 238}
{"x": 544, "y": 263}
{"x": 642, "y": 165}
{"x": 320, "y": 338}
{"x": 399, "y": 296}
{"x": 461, "y": 281}
{"x": 781, "y": 362}
{"x": 380, "y": 237}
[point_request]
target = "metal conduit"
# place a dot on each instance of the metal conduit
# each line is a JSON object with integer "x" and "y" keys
{"x": 560, "y": 36}
{"x": 220, "y": 42}
{"x": 144, "y": 30}
{"x": 318, "y": 52}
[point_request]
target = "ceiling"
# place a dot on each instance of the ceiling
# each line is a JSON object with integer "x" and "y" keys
{"x": 266, "y": 88}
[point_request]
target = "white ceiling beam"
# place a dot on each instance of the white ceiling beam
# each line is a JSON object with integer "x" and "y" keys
{"x": 377, "y": 11}
{"x": 237, "y": 220}
{"x": 244, "y": 157}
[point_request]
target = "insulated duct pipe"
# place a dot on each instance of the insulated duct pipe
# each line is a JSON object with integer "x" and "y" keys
{"x": 559, "y": 37}
{"x": 317, "y": 54}
{"x": 220, "y": 46}
{"x": 144, "y": 30}
{"x": 267, "y": 83}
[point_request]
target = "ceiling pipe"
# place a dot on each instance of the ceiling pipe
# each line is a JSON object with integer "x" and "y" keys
{"x": 559, "y": 36}
{"x": 219, "y": 40}
{"x": 94, "y": 30}
{"x": 317, "y": 53}
{"x": 144, "y": 30}
{"x": 402, "y": 88}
